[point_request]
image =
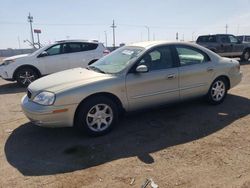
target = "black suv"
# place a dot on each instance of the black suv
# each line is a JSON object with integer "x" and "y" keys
{"x": 225, "y": 45}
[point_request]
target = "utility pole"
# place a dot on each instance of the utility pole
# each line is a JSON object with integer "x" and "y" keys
{"x": 19, "y": 44}
{"x": 30, "y": 20}
{"x": 177, "y": 36}
{"x": 193, "y": 36}
{"x": 113, "y": 26}
{"x": 148, "y": 32}
{"x": 226, "y": 28}
{"x": 106, "y": 39}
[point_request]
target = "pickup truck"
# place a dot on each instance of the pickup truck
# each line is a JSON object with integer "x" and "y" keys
{"x": 225, "y": 45}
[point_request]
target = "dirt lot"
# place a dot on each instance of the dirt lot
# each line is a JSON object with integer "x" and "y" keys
{"x": 191, "y": 144}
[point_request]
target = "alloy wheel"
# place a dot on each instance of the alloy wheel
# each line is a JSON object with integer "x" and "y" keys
{"x": 26, "y": 77}
{"x": 218, "y": 90}
{"x": 99, "y": 117}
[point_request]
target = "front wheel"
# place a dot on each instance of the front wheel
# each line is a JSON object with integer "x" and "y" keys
{"x": 97, "y": 116}
{"x": 217, "y": 91}
{"x": 25, "y": 76}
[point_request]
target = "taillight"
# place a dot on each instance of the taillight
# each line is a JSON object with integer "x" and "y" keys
{"x": 105, "y": 52}
{"x": 238, "y": 67}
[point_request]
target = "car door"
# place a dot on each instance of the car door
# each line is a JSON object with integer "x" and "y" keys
{"x": 225, "y": 48}
{"x": 81, "y": 54}
{"x": 238, "y": 47}
{"x": 157, "y": 86}
{"x": 195, "y": 72}
{"x": 56, "y": 59}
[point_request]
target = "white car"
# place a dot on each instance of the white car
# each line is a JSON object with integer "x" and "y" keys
{"x": 50, "y": 59}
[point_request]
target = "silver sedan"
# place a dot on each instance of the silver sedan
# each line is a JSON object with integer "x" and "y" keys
{"x": 133, "y": 77}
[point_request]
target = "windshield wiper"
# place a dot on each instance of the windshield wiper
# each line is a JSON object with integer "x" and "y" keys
{"x": 95, "y": 69}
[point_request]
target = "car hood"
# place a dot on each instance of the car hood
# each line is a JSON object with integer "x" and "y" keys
{"x": 15, "y": 57}
{"x": 66, "y": 79}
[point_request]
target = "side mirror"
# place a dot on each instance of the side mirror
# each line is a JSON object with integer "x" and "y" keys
{"x": 141, "y": 69}
{"x": 43, "y": 54}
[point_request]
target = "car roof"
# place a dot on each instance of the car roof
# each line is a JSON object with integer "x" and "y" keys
{"x": 76, "y": 40}
{"x": 215, "y": 35}
{"x": 149, "y": 44}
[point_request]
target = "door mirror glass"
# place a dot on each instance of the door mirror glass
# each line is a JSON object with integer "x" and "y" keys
{"x": 142, "y": 69}
{"x": 43, "y": 54}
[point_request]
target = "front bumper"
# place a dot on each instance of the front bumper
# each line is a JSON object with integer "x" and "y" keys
{"x": 5, "y": 73}
{"x": 45, "y": 116}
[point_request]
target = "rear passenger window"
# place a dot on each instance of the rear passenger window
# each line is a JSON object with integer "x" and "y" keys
{"x": 210, "y": 38}
{"x": 89, "y": 46}
{"x": 75, "y": 47}
{"x": 225, "y": 39}
{"x": 191, "y": 56}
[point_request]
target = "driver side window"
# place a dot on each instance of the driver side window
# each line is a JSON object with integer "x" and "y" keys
{"x": 158, "y": 59}
{"x": 54, "y": 50}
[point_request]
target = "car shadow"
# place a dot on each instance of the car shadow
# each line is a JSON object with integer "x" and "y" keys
{"x": 36, "y": 151}
{"x": 11, "y": 88}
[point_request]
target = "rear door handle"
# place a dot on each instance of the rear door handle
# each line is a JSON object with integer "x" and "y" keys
{"x": 171, "y": 76}
{"x": 210, "y": 69}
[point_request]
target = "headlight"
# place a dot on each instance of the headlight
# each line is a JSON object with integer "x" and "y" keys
{"x": 45, "y": 98}
{"x": 7, "y": 62}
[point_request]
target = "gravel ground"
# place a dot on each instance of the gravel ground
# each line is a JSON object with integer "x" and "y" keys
{"x": 191, "y": 144}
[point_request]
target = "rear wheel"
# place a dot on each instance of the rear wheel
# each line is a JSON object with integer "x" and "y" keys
{"x": 246, "y": 55}
{"x": 25, "y": 76}
{"x": 97, "y": 116}
{"x": 217, "y": 91}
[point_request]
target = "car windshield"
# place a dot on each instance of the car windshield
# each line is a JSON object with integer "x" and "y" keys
{"x": 117, "y": 60}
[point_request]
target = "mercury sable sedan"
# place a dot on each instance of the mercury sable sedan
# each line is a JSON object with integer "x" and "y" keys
{"x": 137, "y": 76}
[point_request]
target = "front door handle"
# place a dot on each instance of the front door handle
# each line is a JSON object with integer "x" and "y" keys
{"x": 171, "y": 76}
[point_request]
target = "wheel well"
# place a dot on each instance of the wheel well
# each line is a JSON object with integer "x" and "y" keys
{"x": 92, "y": 61}
{"x": 246, "y": 49}
{"x": 106, "y": 94}
{"x": 26, "y": 66}
{"x": 227, "y": 80}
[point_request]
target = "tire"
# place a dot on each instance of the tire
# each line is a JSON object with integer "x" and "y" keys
{"x": 25, "y": 76}
{"x": 96, "y": 123}
{"x": 91, "y": 62}
{"x": 245, "y": 55}
{"x": 217, "y": 91}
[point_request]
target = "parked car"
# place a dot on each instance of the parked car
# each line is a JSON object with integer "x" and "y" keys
{"x": 133, "y": 77}
{"x": 50, "y": 59}
{"x": 244, "y": 38}
{"x": 225, "y": 45}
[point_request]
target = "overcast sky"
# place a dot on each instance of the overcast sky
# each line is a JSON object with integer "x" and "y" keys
{"x": 89, "y": 19}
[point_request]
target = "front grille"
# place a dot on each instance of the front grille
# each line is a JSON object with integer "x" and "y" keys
{"x": 29, "y": 94}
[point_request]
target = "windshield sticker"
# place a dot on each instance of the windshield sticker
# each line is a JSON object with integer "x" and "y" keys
{"x": 127, "y": 52}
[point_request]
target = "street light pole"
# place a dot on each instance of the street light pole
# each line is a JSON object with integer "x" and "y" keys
{"x": 148, "y": 32}
{"x": 30, "y": 20}
{"x": 113, "y": 26}
{"x": 106, "y": 39}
